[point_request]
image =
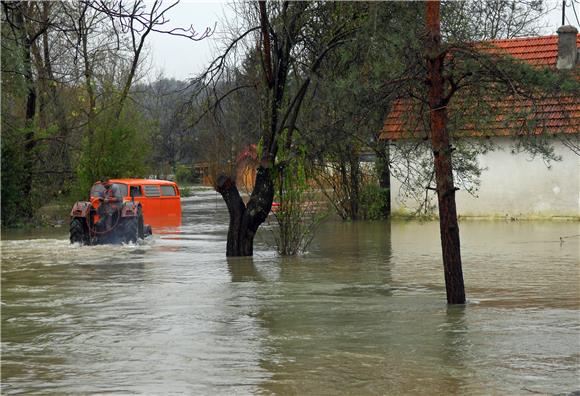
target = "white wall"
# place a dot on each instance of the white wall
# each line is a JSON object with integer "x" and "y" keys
{"x": 514, "y": 185}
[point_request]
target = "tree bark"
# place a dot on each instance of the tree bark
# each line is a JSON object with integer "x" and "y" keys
{"x": 245, "y": 219}
{"x": 88, "y": 73}
{"x": 442, "y": 150}
{"x": 30, "y": 133}
{"x": 276, "y": 58}
{"x": 354, "y": 184}
{"x": 385, "y": 174}
{"x": 29, "y": 136}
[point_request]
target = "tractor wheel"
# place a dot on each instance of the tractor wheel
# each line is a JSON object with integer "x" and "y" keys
{"x": 140, "y": 224}
{"x": 131, "y": 229}
{"x": 79, "y": 232}
{"x": 147, "y": 230}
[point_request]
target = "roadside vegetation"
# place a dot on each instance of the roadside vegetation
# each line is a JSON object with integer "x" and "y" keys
{"x": 75, "y": 105}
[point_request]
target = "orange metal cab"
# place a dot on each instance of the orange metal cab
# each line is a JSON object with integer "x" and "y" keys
{"x": 160, "y": 199}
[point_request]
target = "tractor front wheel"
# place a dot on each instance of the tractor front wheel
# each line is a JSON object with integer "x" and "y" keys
{"x": 131, "y": 229}
{"x": 140, "y": 224}
{"x": 79, "y": 232}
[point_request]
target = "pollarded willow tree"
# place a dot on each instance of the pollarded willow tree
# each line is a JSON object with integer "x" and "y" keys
{"x": 293, "y": 39}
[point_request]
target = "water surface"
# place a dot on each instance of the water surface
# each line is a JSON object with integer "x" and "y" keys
{"x": 363, "y": 312}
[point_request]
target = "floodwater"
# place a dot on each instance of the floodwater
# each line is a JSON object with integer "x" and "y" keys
{"x": 362, "y": 313}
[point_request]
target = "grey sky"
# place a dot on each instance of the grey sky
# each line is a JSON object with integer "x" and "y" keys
{"x": 181, "y": 58}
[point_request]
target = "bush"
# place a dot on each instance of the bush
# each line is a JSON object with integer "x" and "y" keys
{"x": 15, "y": 205}
{"x": 373, "y": 202}
{"x": 184, "y": 175}
{"x": 297, "y": 215}
{"x": 185, "y": 191}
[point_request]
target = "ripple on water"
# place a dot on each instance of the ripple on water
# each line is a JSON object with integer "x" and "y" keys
{"x": 363, "y": 313}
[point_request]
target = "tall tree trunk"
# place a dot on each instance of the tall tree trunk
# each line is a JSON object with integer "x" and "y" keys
{"x": 59, "y": 107}
{"x": 83, "y": 32}
{"x": 354, "y": 184}
{"x": 49, "y": 99}
{"x": 384, "y": 174}
{"x": 30, "y": 138}
{"x": 30, "y": 114}
{"x": 442, "y": 150}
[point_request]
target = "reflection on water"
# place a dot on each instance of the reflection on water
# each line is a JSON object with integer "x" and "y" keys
{"x": 363, "y": 313}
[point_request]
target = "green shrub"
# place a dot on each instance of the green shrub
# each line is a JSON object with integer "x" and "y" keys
{"x": 373, "y": 202}
{"x": 297, "y": 215}
{"x": 15, "y": 205}
{"x": 185, "y": 191}
{"x": 183, "y": 174}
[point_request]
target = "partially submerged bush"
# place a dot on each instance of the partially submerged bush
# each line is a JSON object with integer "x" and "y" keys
{"x": 373, "y": 202}
{"x": 299, "y": 211}
{"x": 184, "y": 175}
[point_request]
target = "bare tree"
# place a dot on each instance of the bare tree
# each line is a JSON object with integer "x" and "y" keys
{"x": 137, "y": 20}
{"x": 477, "y": 20}
{"x": 289, "y": 58}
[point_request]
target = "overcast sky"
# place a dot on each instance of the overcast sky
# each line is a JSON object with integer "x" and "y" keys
{"x": 181, "y": 58}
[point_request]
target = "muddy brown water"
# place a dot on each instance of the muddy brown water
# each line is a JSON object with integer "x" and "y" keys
{"x": 362, "y": 313}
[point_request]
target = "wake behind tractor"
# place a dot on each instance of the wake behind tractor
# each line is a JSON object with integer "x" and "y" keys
{"x": 107, "y": 219}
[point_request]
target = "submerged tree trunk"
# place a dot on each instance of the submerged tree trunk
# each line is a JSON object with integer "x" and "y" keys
{"x": 245, "y": 219}
{"x": 384, "y": 174}
{"x": 280, "y": 113}
{"x": 30, "y": 138}
{"x": 30, "y": 114}
{"x": 88, "y": 73}
{"x": 354, "y": 184}
{"x": 442, "y": 156}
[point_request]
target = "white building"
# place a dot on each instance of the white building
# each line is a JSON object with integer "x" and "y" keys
{"x": 516, "y": 184}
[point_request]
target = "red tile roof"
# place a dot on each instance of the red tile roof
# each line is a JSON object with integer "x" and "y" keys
{"x": 546, "y": 115}
{"x": 537, "y": 51}
{"x": 511, "y": 117}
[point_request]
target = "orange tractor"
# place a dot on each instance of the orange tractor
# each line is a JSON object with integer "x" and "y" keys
{"x": 107, "y": 219}
{"x": 136, "y": 202}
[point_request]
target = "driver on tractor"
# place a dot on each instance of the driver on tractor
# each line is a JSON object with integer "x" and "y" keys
{"x": 111, "y": 201}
